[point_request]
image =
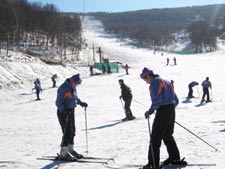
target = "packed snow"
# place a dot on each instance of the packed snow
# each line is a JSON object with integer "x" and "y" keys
{"x": 29, "y": 129}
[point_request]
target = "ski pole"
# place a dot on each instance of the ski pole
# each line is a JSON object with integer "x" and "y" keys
{"x": 139, "y": 102}
{"x": 85, "y": 112}
{"x": 122, "y": 105}
{"x": 151, "y": 146}
{"x": 197, "y": 136}
{"x": 211, "y": 95}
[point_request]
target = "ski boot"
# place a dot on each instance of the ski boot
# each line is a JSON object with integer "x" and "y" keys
{"x": 74, "y": 153}
{"x": 65, "y": 155}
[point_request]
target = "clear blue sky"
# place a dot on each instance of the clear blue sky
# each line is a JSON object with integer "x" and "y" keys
{"x": 122, "y": 5}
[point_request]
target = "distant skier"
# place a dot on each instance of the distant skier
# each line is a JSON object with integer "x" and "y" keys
{"x": 190, "y": 86}
{"x": 164, "y": 101}
{"x": 109, "y": 69}
{"x": 206, "y": 84}
{"x": 126, "y": 68}
{"x": 91, "y": 70}
{"x": 126, "y": 95}
{"x": 37, "y": 87}
{"x": 66, "y": 102}
{"x": 175, "y": 61}
{"x": 54, "y": 80}
{"x": 167, "y": 61}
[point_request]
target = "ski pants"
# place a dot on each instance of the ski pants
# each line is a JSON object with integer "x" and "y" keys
{"x": 67, "y": 123}
{"x": 127, "y": 107}
{"x": 205, "y": 92}
{"x": 162, "y": 129}
{"x": 190, "y": 93}
{"x": 38, "y": 93}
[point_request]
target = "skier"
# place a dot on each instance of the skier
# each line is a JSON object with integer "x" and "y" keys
{"x": 206, "y": 84}
{"x": 167, "y": 61}
{"x": 66, "y": 102}
{"x": 190, "y": 86}
{"x": 37, "y": 87}
{"x": 126, "y": 68}
{"x": 91, "y": 71}
{"x": 54, "y": 80}
{"x": 175, "y": 61}
{"x": 126, "y": 95}
{"x": 164, "y": 101}
{"x": 109, "y": 69}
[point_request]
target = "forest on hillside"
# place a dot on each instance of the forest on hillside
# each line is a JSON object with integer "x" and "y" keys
{"x": 158, "y": 27}
{"x": 25, "y": 25}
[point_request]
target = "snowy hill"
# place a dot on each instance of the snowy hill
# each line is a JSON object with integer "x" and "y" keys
{"x": 29, "y": 129}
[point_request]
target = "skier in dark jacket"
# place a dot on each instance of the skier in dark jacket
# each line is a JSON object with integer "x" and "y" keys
{"x": 37, "y": 87}
{"x": 54, "y": 80}
{"x": 206, "y": 84}
{"x": 66, "y": 101}
{"x": 126, "y": 95}
{"x": 190, "y": 86}
{"x": 164, "y": 101}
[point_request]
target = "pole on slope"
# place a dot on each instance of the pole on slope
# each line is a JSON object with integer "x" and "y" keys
{"x": 197, "y": 136}
{"x": 151, "y": 146}
{"x": 85, "y": 113}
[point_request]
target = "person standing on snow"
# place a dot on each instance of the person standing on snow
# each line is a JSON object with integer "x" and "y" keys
{"x": 206, "y": 84}
{"x": 167, "y": 61}
{"x": 126, "y": 68}
{"x": 190, "y": 86}
{"x": 66, "y": 102}
{"x": 54, "y": 80}
{"x": 164, "y": 101}
{"x": 37, "y": 87}
{"x": 175, "y": 61}
{"x": 126, "y": 95}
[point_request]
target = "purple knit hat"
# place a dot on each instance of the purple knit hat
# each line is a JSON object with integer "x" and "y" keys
{"x": 146, "y": 72}
{"x": 76, "y": 78}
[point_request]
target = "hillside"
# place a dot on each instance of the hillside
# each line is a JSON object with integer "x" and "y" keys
{"x": 29, "y": 129}
{"x": 156, "y": 28}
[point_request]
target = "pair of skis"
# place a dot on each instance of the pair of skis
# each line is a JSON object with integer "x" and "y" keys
{"x": 110, "y": 163}
{"x": 82, "y": 160}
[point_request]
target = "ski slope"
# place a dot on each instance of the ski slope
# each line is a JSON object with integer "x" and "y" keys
{"x": 29, "y": 129}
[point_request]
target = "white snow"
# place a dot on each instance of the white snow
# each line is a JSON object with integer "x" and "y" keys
{"x": 29, "y": 129}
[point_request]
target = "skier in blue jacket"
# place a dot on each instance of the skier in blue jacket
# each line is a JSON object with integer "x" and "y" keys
{"x": 190, "y": 86}
{"x": 164, "y": 101}
{"x": 206, "y": 84}
{"x": 37, "y": 87}
{"x": 66, "y": 101}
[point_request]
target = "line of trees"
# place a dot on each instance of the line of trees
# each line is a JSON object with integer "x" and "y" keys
{"x": 23, "y": 23}
{"x": 158, "y": 27}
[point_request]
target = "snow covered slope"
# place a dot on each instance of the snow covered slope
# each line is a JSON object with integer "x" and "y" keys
{"x": 29, "y": 129}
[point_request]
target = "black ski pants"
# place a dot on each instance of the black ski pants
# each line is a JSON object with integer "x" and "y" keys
{"x": 127, "y": 105}
{"x": 67, "y": 123}
{"x": 190, "y": 93}
{"x": 38, "y": 93}
{"x": 162, "y": 129}
{"x": 205, "y": 93}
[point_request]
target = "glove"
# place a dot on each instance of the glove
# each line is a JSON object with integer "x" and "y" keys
{"x": 83, "y": 104}
{"x": 148, "y": 113}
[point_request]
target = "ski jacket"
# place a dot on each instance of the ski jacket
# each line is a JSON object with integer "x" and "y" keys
{"x": 54, "y": 77}
{"x": 126, "y": 92}
{"x": 66, "y": 97}
{"x": 192, "y": 84}
{"x": 162, "y": 93}
{"x": 37, "y": 85}
{"x": 206, "y": 84}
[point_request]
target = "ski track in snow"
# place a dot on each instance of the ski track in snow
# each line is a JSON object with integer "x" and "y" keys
{"x": 29, "y": 129}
